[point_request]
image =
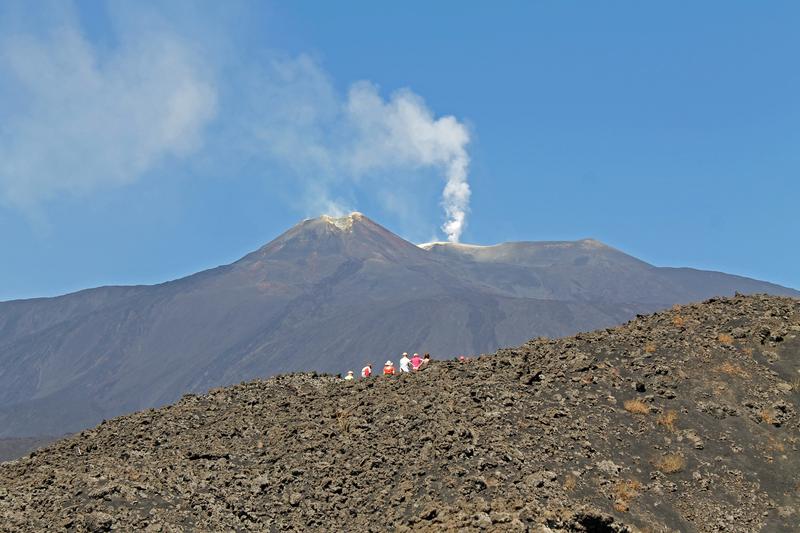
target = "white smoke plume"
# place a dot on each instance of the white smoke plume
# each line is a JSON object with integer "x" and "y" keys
{"x": 330, "y": 140}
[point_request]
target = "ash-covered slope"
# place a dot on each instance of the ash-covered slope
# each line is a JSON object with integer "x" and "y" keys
{"x": 685, "y": 420}
{"x": 327, "y": 295}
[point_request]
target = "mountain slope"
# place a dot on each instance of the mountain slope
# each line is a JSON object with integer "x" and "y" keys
{"x": 684, "y": 420}
{"x": 328, "y": 295}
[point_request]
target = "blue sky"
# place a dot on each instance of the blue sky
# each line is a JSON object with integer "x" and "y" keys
{"x": 140, "y": 143}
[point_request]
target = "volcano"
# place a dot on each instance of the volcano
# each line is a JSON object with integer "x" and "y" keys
{"x": 328, "y": 295}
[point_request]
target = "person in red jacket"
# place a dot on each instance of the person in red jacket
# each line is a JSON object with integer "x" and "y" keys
{"x": 388, "y": 369}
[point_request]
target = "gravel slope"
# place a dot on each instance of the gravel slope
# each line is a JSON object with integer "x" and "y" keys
{"x": 679, "y": 421}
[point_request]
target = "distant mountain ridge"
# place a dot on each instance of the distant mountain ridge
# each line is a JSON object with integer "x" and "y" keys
{"x": 328, "y": 295}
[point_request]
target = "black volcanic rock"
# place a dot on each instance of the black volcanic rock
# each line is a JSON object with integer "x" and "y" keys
{"x": 667, "y": 423}
{"x": 327, "y": 295}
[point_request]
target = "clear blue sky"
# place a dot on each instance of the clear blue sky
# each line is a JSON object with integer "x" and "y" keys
{"x": 140, "y": 143}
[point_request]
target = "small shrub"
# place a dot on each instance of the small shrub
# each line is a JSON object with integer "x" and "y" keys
{"x": 668, "y": 420}
{"x": 670, "y": 463}
{"x": 726, "y": 339}
{"x": 343, "y": 419}
{"x": 627, "y": 489}
{"x": 570, "y": 481}
{"x": 637, "y": 407}
{"x": 650, "y": 348}
{"x": 767, "y": 416}
{"x": 678, "y": 321}
{"x": 624, "y": 492}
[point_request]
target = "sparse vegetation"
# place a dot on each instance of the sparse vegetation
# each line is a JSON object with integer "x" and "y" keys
{"x": 678, "y": 321}
{"x": 343, "y": 420}
{"x": 570, "y": 481}
{"x": 732, "y": 369}
{"x": 624, "y": 492}
{"x": 650, "y": 347}
{"x": 767, "y": 416}
{"x": 668, "y": 420}
{"x": 670, "y": 463}
{"x": 725, "y": 338}
{"x": 637, "y": 407}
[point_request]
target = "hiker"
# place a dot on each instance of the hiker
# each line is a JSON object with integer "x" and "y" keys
{"x": 426, "y": 360}
{"x": 388, "y": 369}
{"x": 366, "y": 371}
{"x": 349, "y": 376}
{"x": 404, "y": 363}
{"x": 416, "y": 361}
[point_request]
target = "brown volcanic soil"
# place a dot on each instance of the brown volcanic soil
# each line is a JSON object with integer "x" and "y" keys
{"x": 536, "y": 438}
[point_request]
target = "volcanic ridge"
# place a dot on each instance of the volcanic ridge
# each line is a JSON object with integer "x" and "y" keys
{"x": 327, "y": 295}
{"x": 683, "y": 420}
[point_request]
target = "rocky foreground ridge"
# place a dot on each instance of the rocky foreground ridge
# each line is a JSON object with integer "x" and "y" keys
{"x": 685, "y": 420}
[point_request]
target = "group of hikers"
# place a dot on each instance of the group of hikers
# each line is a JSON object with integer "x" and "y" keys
{"x": 407, "y": 364}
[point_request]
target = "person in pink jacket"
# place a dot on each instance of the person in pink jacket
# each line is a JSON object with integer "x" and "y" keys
{"x": 416, "y": 361}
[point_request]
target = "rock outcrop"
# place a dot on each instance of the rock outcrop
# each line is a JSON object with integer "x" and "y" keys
{"x": 685, "y": 420}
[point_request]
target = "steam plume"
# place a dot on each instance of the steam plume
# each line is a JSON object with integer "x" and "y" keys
{"x": 362, "y": 140}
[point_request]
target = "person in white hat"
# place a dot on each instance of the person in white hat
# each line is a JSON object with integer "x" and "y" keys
{"x": 349, "y": 376}
{"x": 388, "y": 369}
{"x": 404, "y": 362}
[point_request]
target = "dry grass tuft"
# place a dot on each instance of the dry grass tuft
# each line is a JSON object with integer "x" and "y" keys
{"x": 724, "y": 338}
{"x": 670, "y": 463}
{"x": 748, "y": 351}
{"x": 343, "y": 420}
{"x": 678, "y": 321}
{"x": 637, "y": 407}
{"x": 668, "y": 420}
{"x": 624, "y": 492}
{"x": 570, "y": 482}
{"x": 767, "y": 416}
{"x": 621, "y": 506}
{"x": 733, "y": 370}
{"x": 650, "y": 348}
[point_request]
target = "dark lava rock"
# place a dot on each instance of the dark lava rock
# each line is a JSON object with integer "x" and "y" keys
{"x": 671, "y": 422}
